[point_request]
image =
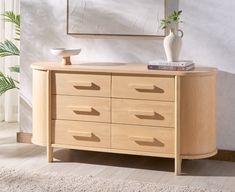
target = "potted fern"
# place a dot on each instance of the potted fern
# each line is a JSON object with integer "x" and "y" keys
{"x": 8, "y": 48}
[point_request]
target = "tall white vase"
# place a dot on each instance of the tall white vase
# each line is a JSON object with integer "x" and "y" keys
{"x": 172, "y": 45}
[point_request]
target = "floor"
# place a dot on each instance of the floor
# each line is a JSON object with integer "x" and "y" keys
{"x": 206, "y": 173}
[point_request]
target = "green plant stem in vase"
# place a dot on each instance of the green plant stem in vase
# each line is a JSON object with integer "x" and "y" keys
{"x": 172, "y": 42}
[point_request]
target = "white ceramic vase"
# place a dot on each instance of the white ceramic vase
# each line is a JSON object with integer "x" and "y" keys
{"x": 172, "y": 45}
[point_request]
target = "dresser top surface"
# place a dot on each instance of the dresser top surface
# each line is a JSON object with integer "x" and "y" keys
{"x": 118, "y": 68}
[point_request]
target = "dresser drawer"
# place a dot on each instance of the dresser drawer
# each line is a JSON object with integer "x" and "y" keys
{"x": 80, "y": 108}
{"x": 81, "y": 133}
{"x": 81, "y": 84}
{"x": 139, "y": 112}
{"x": 142, "y": 138}
{"x": 149, "y": 88}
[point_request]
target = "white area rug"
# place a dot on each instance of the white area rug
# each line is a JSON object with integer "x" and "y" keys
{"x": 12, "y": 180}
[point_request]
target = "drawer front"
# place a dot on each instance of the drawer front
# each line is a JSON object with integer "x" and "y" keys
{"x": 81, "y": 133}
{"x": 81, "y": 84}
{"x": 80, "y": 108}
{"x": 141, "y": 138}
{"x": 149, "y": 88}
{"x": 140, "y": 112}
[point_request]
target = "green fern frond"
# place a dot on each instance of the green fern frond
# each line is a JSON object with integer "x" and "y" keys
{"x": 15, "y": 69}
{"x": 7, "y": 48}
{"x": 11, "y": 17}
{"x": 6, "y": 83}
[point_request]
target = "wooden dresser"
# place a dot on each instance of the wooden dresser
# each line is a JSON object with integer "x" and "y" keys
{"x": 125, "y": 108}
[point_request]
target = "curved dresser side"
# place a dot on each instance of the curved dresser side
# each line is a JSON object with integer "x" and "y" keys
{"x": 197, "y": 116}
{"x": 39, "y": 107}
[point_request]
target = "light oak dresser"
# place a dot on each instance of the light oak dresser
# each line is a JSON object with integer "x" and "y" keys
{"x": 125, "y": 108}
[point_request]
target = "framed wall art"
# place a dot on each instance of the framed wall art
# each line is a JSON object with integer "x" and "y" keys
{"x": 115, "y": 17}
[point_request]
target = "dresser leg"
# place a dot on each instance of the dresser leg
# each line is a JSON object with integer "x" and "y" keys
{"x": 178, "y": 163}
{"x": 49, "y": 154}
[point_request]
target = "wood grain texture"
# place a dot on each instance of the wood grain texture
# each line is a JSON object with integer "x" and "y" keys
{"x": 39, "y": 108}
{"x": 119, "y": 151}
{"x": 23, "y": 137}
{"x": 49, "y": 118}
{"x": 81, "y": 84}
{"x": 118, "y": 68}
{"x": 180, "y": 125}
{"x": 200, "y": 156}
{"x": 178, "y": 158}
{"x": 30, "y": 158}
{"x": 81, "y": 133}
{"x": 149, "y": 88}
{"x": 81, "y": 108}
{"x": 143, "y": 138}
{"x": 220, "y": 155}
{"x": 139, "y": 112}
{"x": 198, "y": 126}
{"x": 66, "y": 61}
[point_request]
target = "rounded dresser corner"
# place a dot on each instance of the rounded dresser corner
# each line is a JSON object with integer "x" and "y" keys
{"x": 39, "y": 107}
{"x": 198, "y": 116}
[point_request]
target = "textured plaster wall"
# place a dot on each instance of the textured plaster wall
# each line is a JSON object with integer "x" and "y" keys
{"x": 209, "y": 40}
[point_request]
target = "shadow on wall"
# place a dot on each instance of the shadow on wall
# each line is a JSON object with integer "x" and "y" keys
{"x": 134, "y": 50}
{"x": 225, "y": 109}
{"x": 112, "y": 22}
{"x": 121, "y": 49}
{"x": 38, "y": 30}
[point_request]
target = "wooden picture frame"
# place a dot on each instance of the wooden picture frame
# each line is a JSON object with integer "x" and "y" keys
{"x": 109, "y": 35}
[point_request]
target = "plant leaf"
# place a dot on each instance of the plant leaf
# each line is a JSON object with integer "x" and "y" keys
{"x": 7, "y": 48}
{"x": 11, "y": 17}
{"x": 15, "y": 69}
{"x": 6, "y": 84}
{"x": 171, "y": 20}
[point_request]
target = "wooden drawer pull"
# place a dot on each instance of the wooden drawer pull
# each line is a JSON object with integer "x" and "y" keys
{"x": 150, "y": 115}
{"x": 141, "y": 139}
{"x": 147, "y": 88}
{"x": 141, "y": 113}
{"x": 80, "y": 134}
{"x": 83, "y": 84}
{"x": 85, "y": 109}
{"x": 142, "y": 87}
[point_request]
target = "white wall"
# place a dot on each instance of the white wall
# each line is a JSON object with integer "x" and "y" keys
{"x": 209, "y": 40}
